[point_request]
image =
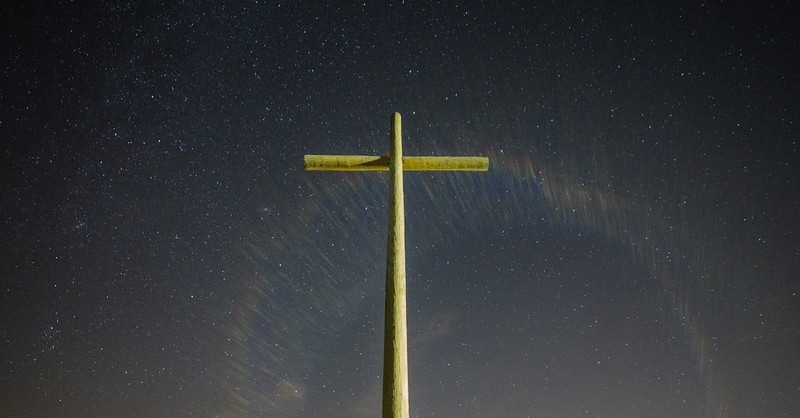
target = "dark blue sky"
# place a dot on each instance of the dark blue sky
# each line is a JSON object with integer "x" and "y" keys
{"x": 632, "y": 252}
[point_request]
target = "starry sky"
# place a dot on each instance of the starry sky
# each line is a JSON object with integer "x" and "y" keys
{"x": 633, "y": 251}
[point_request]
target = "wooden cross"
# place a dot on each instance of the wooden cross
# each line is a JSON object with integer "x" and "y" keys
{"x": 395, "y": 351}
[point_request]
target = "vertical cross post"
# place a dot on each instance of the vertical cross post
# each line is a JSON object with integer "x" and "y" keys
{"x": 395, "y": 343}
{"x": 395, "y": 353}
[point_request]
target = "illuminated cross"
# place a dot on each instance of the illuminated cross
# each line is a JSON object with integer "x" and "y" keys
{"x": 395, "y": 355}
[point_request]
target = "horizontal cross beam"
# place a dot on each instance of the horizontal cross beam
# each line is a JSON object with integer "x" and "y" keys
{"x": 381, "y": 163}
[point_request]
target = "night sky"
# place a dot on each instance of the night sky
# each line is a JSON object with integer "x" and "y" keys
{"x": 634, "y": 250}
